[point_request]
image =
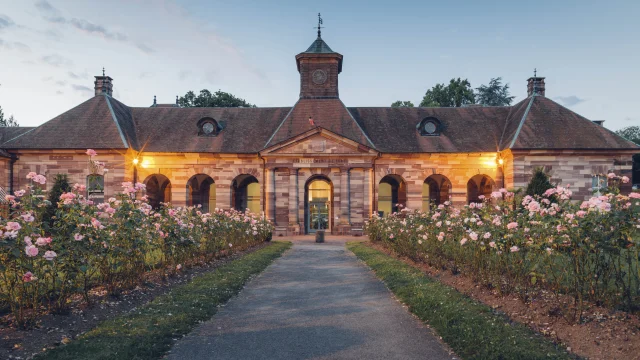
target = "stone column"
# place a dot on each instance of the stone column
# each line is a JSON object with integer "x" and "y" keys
{"x": 368, "y": 194}
{"x": 294, "y": 202}
{"x": 344, "y": 196}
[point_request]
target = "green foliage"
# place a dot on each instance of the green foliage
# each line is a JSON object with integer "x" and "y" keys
{"x": 472, "y": 329}
{"x": 148, "y": 333}
{"x": 60, "y": 186}
{"x": 494, "y": 94}
{"x": 539, "y": 183}
{"x": 631, "y": 133}
{"x": 208, "y": 99}
{"x": 456, "y": 94}
{"x": 7, "y": 121}
{"x": 400, "y": 103}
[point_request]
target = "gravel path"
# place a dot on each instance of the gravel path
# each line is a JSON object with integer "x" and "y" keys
{"x": 316, "y": 302}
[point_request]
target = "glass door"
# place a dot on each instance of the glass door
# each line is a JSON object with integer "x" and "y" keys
{"x": 319, "y": 206}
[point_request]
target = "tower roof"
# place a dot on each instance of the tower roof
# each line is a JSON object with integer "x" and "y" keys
{"x": 319, "y": 47}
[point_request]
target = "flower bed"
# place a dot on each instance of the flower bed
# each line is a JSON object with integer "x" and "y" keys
{"x": 523, "y": 245}
{"x": 112, "y": 244}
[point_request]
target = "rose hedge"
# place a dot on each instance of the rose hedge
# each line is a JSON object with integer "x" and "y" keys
{"x": 111, "y": 244}
{"x": 524, "y": 245}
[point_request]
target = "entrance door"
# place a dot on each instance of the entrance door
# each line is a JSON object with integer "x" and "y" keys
{"x": 318, "y": 206}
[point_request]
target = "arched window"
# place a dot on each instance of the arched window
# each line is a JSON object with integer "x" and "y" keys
{"x": 158, "y": 190}
{"x": 479, "y": 185}
{"x": 429, "y": 126}
{"x": 435, "y": 190}
{"x": 208, "y": 127}
{"x": 95, "y": 188}
{"x": 201, "y": 190}
{"x": 318, "y": 204}
{"x": 245, "y": 193}
{"x": 392, "y": 191}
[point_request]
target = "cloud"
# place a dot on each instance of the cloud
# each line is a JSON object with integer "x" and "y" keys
{"x": 82, "y": 89}
{"x": 94, "y": 29}
{"x": 59, "y": 92}
{"x": 144, "y": 48}
{"x": 57, "y": 60}
{"x": 14, "y": 45}
{"x": 45, "y": 6}
{"x": 5, "y": 22}
{"x": 76, "y": 76}
{"x": 569, "y": 101}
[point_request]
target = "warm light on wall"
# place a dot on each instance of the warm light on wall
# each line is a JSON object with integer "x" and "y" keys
{"x": 500, "y": 161}
{"x": 135, "y": 161}
{"x": 146, "y": 163}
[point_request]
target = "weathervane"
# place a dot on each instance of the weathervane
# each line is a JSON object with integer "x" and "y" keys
{"x": 319, "y": 25}
{"x": 535, "y": 72}
{"x": 103, "y": 71}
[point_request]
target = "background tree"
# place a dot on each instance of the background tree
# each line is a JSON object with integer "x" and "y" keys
{"x": 60, "y": 185}
{"x": 631, "y": 133}
{"x": 456, "y": 94}
{"x": 494, "y": 94}
{"x": 539, "y": 183}
{"x": 207, "y": 99}
{"x": 4, "y": 121}
{"x": 400, "y": 103}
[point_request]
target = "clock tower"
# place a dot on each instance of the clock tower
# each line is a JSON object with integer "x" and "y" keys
{"x": 319, "y": 67}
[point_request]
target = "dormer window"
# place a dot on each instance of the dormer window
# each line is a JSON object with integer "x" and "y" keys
{"x": 429, "y": 127}
{"x": 208, "y": 127}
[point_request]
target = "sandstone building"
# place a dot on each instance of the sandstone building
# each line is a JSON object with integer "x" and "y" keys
{"x": 318, "y": 164}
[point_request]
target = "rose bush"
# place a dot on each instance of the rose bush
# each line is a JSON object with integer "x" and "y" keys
{"x": 111, "y": 244}
{"x": 524, "y": 245}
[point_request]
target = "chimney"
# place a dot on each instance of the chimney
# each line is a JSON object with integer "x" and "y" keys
{"x": 535, "y": 85}
{"x": 103, "y": 85}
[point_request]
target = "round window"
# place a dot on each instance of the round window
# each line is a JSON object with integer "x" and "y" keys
{"x": 207, "y": 128}
{"x": 429, "y": 127}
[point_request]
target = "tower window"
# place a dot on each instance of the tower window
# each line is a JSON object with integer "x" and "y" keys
{"x": 429, "y": 127}
{"x": 208, "y": 127}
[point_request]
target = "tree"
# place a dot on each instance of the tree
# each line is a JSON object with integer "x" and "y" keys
{"x": 400, "y": 103}
{"x": 60, "y": 185}
{"x": 456, "y": 94}
{"x": 10, "y": 121}
{"x": 631, "y": 133}
{"x": 494, "y": 94}
{"x": 539, "y": 183}
{"x": 208, "y": 99}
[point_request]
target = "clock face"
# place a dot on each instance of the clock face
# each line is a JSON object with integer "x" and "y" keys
{"x": 319, "y": 77}
{"x": 207, "y": 128}
{"x": 429, "y": 127}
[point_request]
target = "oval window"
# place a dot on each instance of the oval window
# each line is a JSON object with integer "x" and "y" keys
{"x": 207, "y": 128}
{"x": 429, "y": 127}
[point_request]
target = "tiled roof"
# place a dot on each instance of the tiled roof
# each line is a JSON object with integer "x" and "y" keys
{"x": 105, "y": 123}
{"x": 540, "y": 123}
{"x": 92, "y": 124}
{"x": 245, "y": 130}
{"x": 319, "y": 47}
{"x": 330, "y": 114}
{"x": 469, "y": 129}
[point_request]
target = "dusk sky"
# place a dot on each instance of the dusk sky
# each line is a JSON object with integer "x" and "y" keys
{"x": 50, "y": 50}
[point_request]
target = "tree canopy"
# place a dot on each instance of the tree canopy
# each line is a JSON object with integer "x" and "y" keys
{"x": 208, "y": 99}
{"x": 494, "y": 94}
{"x": 400, "y": 103}
{"x": 631, "y": 133}
{"x": 456, "y": 94}
{"x": 7, "y": 121}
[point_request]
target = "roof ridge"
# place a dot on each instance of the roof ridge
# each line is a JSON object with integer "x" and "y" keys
{"x": 524, "y": 118}
{"x": 358, "y": 125}
{"x": 279, "y": 126}
{"x": 115, "y": 119}
{"x": 506, "y": 122}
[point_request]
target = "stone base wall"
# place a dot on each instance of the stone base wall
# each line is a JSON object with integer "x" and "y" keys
{"x": 574, "y": 168}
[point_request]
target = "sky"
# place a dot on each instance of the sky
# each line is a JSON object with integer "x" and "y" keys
{"x": 50, "y": 50}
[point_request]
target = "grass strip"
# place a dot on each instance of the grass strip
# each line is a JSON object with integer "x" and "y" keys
{"x": 148, "y": 332}
{"x": 473, "y": 330}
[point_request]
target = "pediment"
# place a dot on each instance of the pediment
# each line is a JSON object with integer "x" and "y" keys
{"x": 319, "y": 142}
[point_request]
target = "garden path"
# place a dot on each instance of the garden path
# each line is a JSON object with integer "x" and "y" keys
{"x": 315, "y": 302}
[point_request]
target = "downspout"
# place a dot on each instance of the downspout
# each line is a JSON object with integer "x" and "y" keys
{"x": 264, "y": 185}
{"x": 14, "y": 158}
{"x": 373, "y": 194}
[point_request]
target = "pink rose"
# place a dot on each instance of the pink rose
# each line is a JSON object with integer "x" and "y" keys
{"x": 27, "y": 240}
{"x": 78, "y": 237}
{"x": 19, "y": 193}
{"x": 463, "y": 241}
{"x": 40, "y": 179}
{"x": 50, "y": 255}
{"x": 512, "y": 225}
{"x": 514, "y": 249}
{"x": 27, "y": 277}
{"x": 31, "y": 250}
{"x": 492, "y": 244}
{"x": 611, "y": 175}
{"x": 634, "y": 195}
{"x": 178, "y": 267}
{"x": 42, "y": 241}
{"x": 91, "y": 152}
{"x": 625, "y": 180}
{"x": 31, "y": 175}
{"x": 13, "y": 226}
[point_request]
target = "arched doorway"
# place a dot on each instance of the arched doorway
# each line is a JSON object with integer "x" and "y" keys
{"x": 392, "y": 191}
{"x": 635, "y": 171}
{"x": 435, "y": 190}
{"x": 245, "y": 193}
{"x": 158, "y": 190}
{"x": 479, "y": 185}
{"x": 201, "y": 190}
{"x": 318, "y": 193}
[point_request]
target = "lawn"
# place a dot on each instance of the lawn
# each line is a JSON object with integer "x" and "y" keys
{"x": 473, "y": 330}
{"x": 149, "y": 332}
